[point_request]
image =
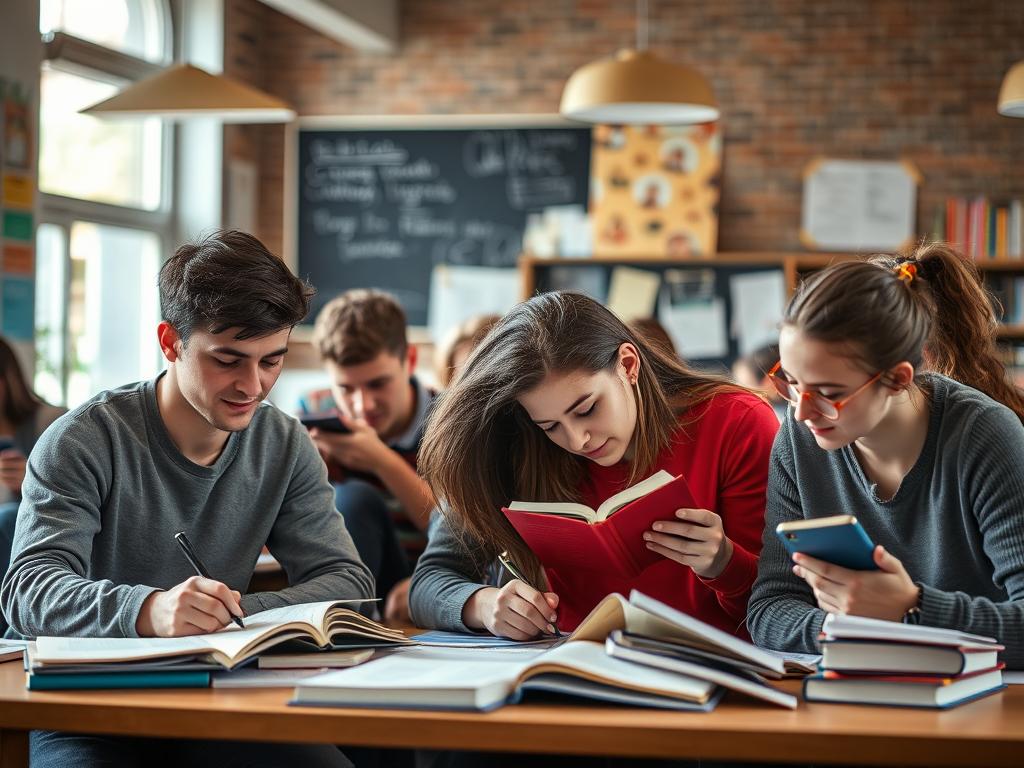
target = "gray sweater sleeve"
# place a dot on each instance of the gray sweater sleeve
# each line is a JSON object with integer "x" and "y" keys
{"x": 310, "y": 541}
{"x": 446, "y": 576}
{"x": 782, "y": 613}
{"x": 990, "y": 462}
{"x": 46, "y": 590}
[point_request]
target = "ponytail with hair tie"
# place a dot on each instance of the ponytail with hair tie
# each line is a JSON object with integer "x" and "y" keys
{"x": 906, "y": 271}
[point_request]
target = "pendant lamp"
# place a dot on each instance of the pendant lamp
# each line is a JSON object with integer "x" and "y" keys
{"x": 638, "y": 87}
{"x": 1011, "y": 95}
{"x": 185, "y": 91}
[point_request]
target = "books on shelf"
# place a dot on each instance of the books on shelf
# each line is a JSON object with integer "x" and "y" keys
{"x": 984, "y": 229}
{"x": 610, "y": 537}
{"x": 326, "y": 624}
{"x": 870, "y": 661}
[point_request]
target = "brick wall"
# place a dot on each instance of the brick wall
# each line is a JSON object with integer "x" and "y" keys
{"x": 795, "y": 79}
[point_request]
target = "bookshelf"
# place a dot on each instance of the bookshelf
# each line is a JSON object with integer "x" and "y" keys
{"x": 997, "y": 273}
{"x": 793, "y": 264}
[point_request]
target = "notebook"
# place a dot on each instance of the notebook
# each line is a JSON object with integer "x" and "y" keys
{"x": 569, "y": 535}
{"x": 643, "y": 615}
{"x": 325, "y": 623}
{"x": 482, "y": 679}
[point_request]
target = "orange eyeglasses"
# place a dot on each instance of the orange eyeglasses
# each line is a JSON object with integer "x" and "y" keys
{"x": 828, "y": 408}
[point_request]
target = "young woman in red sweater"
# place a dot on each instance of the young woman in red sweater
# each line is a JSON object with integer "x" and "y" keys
{"x": 563, "y": 402}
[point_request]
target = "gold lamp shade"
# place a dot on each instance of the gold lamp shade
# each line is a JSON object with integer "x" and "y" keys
{"x": 184, "y": 91}
{"x": 1011, "y": 95}
{"x": 638, "y": 87}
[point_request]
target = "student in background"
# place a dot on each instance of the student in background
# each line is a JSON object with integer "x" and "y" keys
{"x": 929, "y": 462}
{"x": 654, "y": 332}
{"x": 562, "y": 401}
{"x": 193, "y": 450}
{"x": 751, "y": 371}
{"x": 452, "y": 352}
{"x": 23, "y": 418}
{"x": 360, "y": 337}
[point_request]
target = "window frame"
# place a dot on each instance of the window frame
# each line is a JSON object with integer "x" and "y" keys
{"x": 75, "y": 55}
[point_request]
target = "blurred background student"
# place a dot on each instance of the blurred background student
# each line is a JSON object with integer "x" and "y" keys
{"x": 24, "y": 416}
{"x": 752, "y": 371}
{"x": 454, "y": 349}
{"x": 655, "y": 333}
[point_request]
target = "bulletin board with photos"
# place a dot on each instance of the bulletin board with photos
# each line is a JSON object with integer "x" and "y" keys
{"x": 655, "y": 190}
{"x": 714, "y": 311}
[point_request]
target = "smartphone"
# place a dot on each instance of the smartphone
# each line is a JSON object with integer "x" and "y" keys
{"x": 838, "y": 539}
{"x": 328, "y": 422}
{"x": 6, "y": 444}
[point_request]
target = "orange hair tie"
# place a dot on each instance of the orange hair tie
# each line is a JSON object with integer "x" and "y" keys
{"x": 906, "y": 272}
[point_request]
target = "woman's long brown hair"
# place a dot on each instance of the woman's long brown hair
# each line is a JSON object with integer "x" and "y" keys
{"x": 940, "y": 320}
{"x": 20, "y": 403}
{"x": 481, "y": 451}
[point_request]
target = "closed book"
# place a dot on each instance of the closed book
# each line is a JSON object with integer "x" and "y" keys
{"x": 845, "y": 627}
{"x": 609, "y": 538}
{"x": 315, "y": 659}
{"x": 903, "y": 691}
{"x": 98, "y": 680}
{"x": 866, "y": 656}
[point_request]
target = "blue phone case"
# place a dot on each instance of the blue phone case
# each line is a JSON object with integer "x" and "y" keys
{"x": 845, "y": 545}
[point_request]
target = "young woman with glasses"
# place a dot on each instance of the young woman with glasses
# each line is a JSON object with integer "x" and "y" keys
{"x": 901, "y": 413}
{"x": 562, "y": 401}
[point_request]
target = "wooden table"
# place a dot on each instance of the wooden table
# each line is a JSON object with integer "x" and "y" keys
{"x": 986, "y": 732}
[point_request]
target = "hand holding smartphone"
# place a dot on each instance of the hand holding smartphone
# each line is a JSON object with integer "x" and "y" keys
{"x": 838, "y": 539}
{"x": 327, "y": 421}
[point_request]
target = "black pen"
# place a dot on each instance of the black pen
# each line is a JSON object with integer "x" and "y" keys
{"x": 511, "y": 568}
{"x": 186, "y": 547}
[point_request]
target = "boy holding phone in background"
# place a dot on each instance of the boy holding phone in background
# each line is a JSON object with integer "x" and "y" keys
{"x": 360, "y": 337}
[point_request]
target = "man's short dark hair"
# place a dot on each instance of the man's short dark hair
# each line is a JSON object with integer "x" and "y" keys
{"x": 357, "y": 326}
{"x": 230, "y": 280}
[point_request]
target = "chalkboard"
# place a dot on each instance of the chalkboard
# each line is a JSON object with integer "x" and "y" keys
{"x": 381, "y": 208}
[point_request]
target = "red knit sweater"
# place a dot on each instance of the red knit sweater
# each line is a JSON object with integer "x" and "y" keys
{"x": 724, "y": 456}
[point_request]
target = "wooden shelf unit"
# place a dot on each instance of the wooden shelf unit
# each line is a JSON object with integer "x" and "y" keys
{"x": 792, "y": 263}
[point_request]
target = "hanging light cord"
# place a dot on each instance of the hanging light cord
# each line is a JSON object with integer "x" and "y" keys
{"x": 641, "y": 25}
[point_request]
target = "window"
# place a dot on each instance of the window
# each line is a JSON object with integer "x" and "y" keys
{"x": 105, "y": 212}
{"x": 138, "y": 28}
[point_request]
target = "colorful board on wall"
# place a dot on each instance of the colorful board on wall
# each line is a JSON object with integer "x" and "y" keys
{"x": 655, "y": 190}
{"x": 17, "y": 200}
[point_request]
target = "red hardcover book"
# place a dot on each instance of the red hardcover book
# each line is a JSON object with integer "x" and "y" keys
{"x": 567, "y": 535}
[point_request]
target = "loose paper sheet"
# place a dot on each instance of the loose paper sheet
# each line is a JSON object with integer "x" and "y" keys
{"x": 633, "y": 293}
{"x": 758, "y": 301}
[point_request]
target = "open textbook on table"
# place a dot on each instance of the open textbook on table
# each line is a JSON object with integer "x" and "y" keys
{"x": 324, "y": 624}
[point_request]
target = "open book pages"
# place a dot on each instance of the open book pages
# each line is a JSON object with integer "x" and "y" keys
{"x": 325, "y": 623}
{"x": 452, "y": 678}
{"x": 643, "y": 615}
{"x": 608, "y": 507}
{"x": 730, "y": 676}
{"x": 844, "y": 627}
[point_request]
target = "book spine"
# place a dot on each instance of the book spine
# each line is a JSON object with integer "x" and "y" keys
{"x": 110, "y": 680}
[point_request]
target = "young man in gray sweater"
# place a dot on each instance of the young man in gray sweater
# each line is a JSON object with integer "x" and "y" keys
{"x": 195, "y": 450}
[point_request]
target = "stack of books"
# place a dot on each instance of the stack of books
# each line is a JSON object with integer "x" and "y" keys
{"x": 637, "y": 651}
{"x": 869, "y": 661}
{"x": 55, "y": 663}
